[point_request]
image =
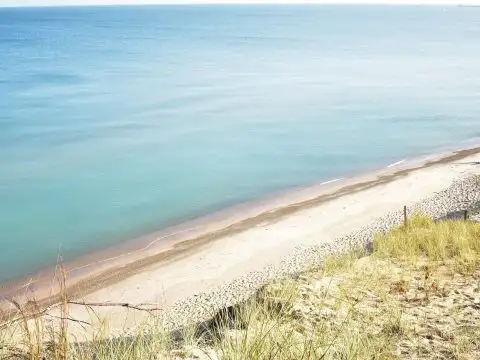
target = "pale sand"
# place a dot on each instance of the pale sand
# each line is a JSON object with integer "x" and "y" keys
{"x": 232, "y": 255}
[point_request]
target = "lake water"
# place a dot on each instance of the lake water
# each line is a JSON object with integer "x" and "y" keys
{"x": 117, "y": 121}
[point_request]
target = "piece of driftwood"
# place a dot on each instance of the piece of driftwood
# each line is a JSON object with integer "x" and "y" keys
{"x": 140, "y": 307}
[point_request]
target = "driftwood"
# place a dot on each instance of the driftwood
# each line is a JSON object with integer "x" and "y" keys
{"x": 140, "y": 307}
{"x": 44, "y": 312}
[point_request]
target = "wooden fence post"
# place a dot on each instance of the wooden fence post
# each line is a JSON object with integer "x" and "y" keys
{"x": 405, "y": 215}
{"x": 465, "y": 215}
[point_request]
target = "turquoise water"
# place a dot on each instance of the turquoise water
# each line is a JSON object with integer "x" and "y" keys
{"x": 116, "y": 121}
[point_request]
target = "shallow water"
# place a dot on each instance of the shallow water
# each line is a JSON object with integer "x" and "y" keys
{"x": 116, "y": 121}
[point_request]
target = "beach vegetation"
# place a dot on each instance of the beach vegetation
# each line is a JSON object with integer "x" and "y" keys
{"x": 414, "y": 295}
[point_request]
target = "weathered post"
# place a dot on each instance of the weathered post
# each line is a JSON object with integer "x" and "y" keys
{"x": 465, "y": 215}
{"x": 405, "y": 215}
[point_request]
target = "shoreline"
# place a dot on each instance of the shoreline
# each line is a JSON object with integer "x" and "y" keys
{"x": 110, "y": 266}
{"x": 447, "y": 202}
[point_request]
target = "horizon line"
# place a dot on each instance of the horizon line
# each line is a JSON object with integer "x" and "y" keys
{"x": 251, "y": 2}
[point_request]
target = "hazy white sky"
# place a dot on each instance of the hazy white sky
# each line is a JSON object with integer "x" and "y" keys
{"x": 112, "y": 2}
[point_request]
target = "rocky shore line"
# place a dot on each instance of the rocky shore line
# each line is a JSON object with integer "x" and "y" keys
{"x": 463, "y": 194}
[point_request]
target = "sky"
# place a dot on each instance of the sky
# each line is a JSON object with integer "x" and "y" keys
{"x": 118, "y": 2}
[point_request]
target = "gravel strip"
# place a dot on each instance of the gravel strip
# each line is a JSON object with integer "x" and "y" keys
{"x": 463, "y": 194}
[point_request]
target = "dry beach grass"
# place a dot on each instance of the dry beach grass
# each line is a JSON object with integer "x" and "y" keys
{"x": 416, "y": 295}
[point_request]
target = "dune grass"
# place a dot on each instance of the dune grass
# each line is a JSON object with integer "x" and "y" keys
{"x": 405, "y": 300}
{"x": 455, "y": 242}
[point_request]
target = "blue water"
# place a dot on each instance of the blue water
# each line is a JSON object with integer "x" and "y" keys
{"x": 116, "y": 121}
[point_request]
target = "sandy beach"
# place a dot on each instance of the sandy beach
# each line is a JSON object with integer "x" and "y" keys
{"x": 210, "y": 253}
{"x": 164, "y": 269}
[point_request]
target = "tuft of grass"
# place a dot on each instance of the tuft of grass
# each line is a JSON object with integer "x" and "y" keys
{"x": 442, "y": 241}
{"x": 342, "y": 262}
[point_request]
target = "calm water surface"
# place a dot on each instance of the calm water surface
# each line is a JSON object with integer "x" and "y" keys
{"x": 116, "y": 121}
